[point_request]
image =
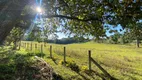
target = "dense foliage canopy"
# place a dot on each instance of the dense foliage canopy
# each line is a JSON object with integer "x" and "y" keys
{"x": 80, "y": 17}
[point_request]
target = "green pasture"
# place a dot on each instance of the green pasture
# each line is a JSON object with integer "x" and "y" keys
{"x": 123, "y": 62}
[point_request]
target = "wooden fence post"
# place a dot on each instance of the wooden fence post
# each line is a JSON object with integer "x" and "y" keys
{"x": 89, "y": 58}
{"x": 64, "y": 55}
{"x": 24, "y": 45}
{"x": 35, "y": 46}
{"x": 102, "y": 69}
{"x": 50, "y": 51}
{"x": 41, "y": 50}
{"x": 31, "y": 46}
{"x": 44, "y": 44}
{"x": 19, "y": 45}
{"x": 28, "y": 46}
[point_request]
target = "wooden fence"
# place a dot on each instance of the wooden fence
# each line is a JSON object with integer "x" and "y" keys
{"x": 99, "y": 66}
{"x": 29, "y": 46}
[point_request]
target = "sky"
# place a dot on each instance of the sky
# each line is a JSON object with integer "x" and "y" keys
{"x": 62, "y": 35}
{"x": 118, "y": 27}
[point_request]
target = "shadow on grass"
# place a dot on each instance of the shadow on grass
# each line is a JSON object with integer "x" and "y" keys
{"x": 54, "y": 60}
{"x": 102, "y": 76}
{"x": 84, "y": 77}
{"x": 36, "y": 54}
{"x": 57, "y": 76}
{"x": 77, "y": 70}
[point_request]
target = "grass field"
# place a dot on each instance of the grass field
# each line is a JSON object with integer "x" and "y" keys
{"x": 123, "y": 62}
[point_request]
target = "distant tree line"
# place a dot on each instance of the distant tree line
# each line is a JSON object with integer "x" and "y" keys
{"x": 128, "y": 36}
{"x": 68, "y": 40}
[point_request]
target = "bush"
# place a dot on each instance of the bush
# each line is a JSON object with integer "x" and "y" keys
{"x": 74, "y": 66}
{"x": 7, "y": 71}
{"x": 70, "y": 64}
{"x": 30, "y": 54}
{"x": 84, "y": 68}
{"x": 40, "y": 54}
{"x": 61, "y": 62}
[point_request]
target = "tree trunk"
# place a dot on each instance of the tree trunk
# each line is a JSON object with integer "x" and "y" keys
{"x": 19, "y": 45}
{"x": 15, "y": 45}
{"x": 137, "y": 43}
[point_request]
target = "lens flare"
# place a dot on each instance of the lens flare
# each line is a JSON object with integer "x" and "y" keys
{"x": 39, "y": 10}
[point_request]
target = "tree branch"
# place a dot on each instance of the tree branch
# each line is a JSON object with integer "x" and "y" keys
{"x": 65, "y": 17}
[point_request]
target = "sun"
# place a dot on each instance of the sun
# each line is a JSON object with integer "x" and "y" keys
{"x": 39, "y": 9}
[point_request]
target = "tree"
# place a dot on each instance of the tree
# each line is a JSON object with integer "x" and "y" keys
{"x": 126, "y": 37}
{"x": 15, "y": 36}
{"x": 115, "y": 38}
{"x": 86, "y": 17}
{"x": 127, "y": 13}
{"x": 50, "y": 29}
{"x": 35, "y": 34}
{"x": 135, "y": 32}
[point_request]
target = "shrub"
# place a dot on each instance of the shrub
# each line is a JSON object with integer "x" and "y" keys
{"x": 84, "y": 68}
{"x": 61, "y": 62}
{"x": 40, "y": 54}
{"x": 30, "y": 54}
{"x": 7, "y": 71}
{"x": 70, "y": 64}
{"x": 73, "y": 66}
